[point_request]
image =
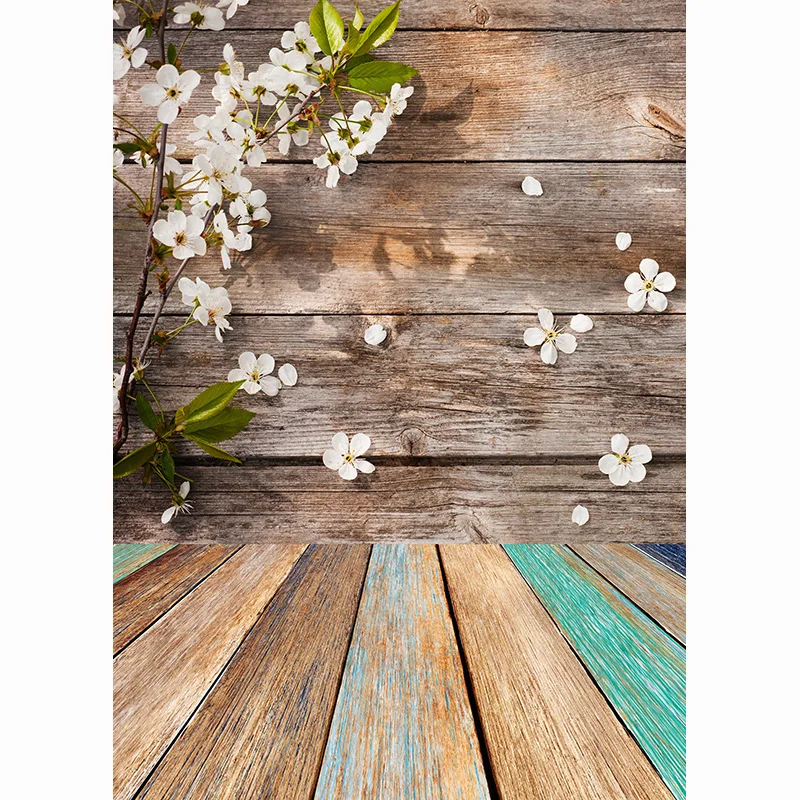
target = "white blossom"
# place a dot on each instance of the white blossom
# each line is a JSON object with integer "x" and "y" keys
{"x": 396, "y": 102}
{"x": 255, "y": 372}
{"x": 232, "y": 5}
{"x": 580, "y": 515}
{"x": 337, "y": 159}
{"x": 247, "y": 144}
{"x": 290, "y": 77}
{"x": 210, "y": 130}
{"x": 190, "y": 290}
{"x": 171, "y": 164}
{"x": 129, "y": 54}
{"x": 257, "y": 86}
{"x": 580, "y": 323}
{"x": 375, "y": 334}
{"x": 551, "y": 339}
{"x": 183, "y": 234}
{"x": 623, "y": 240}
{"x": 119, "y": 13}
{"x": 220, "y": 169}
{"x": 364, "y": 126}
{"x": 532, "y": 187}
{"x": 290, "y": 132}
{"x": 211, "y": 305}
{"x": 625, "y": 464}
{"x": 344, "y": 455}
{"x": 179, "y": 504}
{"x": 238, "y": 242}
{"x": 288, "y": 375}
{"x": 300, "y": 39}
{"x": 171, "y": 91}
{"x": 248, "y": 208}
{"x": 204, "y": 18}
{"x": 649, "y": 284}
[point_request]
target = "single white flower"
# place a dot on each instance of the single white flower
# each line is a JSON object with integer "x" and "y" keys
{"x": 580, "y": 515}
{"x": 396, "y": 102}
{"x": 290, "y": 132}
{"x": 288, "y": 375}
{"x": 257, "y": 86}
{"x": 179, "y": 504}
{"x": 337, "y": 159}
{"x": 190, "y": 290}
{"x": 550, "y": 338}
{"x": 532, "y": 187}
{"x": 290, "y": 76}
{"x": 365, "y": 127}
{"x": 129, "y": 54}
{"x": 214, "y": 306}
{"x": 580, "y": 323}
{"x": 344, "y": 455}
{"x": 204, "y": 18}
{"x": 183, "y": 234}
{"x": 300, "y": 39}
{"x": 232, "y": 5}
{"x": 246, "y": 143}
{"x": 648, "y": 284}
{"x": 375, "y": 334}
{"x": 248, "y": 208}
{"x": 255, "y": 372}
{"x": 623, "y": 240}
{"x": 625, "y": 464}
{"x": 171, "y": 91}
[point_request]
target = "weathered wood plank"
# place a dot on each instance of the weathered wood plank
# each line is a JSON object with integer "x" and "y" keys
{"x": 403, "y": 727}
{"x": 655, "y": 588}
{"x": 641, "y": 669}
{"x": 673, "y": 555}
{"x": 261, "y": 731}
{"x": 442, "y": 386}
{"x": 147, "y": 594}
{"x": 490, "y": 14}
{"x": 549, "y": 732}
{"x": 452, "y": 503}
{"x": 162, "y": 676}
{"x": 130, "y": 557}
{"x": 568, "y": 96}
{"x": 439, "y": 238}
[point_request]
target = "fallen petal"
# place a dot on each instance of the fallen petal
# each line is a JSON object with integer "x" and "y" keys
{"x": 580, "y": 323}
{"x": 623, "y": 240}
{"x": 580, "y": 515}
{"x": 532, "y": 187}
{"x": 375, "y": 334}
{"x": 288, "y": 375}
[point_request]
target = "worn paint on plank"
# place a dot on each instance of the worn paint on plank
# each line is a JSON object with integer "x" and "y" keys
{"x": 129, "y": 557}
{"x": 673, "y": 555}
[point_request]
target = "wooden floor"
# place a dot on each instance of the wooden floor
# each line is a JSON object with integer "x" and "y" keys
{"x": 358, "y": 672}
{"x": 474, "y": 438}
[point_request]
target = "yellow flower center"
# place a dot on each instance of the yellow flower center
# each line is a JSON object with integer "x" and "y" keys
{"x": 648, "y": 286}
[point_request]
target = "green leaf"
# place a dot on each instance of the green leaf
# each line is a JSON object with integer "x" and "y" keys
{"x": 354, "y": 62}
{"x": 380, "y": 30}
{"x": 225, "y": 425}
{"x": 145, "y": 411}
{"x": 327, "y": 27}
{"x": 213, "y": 451}
{"x": 129, "y": 148}
{"x": 380, "y": 76}
{"x": 168, "y": 465}
{"x": 208, "y": 403}
{"x": 353, "y": 38}
{"x": 172, "y": 54}
{"x": 358, "y": 19}
{"x": 132, "y": 461}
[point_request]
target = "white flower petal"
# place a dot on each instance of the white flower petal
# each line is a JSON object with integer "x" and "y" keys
{"x": 364, "y": 466}
{"x": 634, "y": 282}
{"x": 566, "y": 342}
{"x": 664, "y": 282}
{"x": 184, "y": 490}
{"x": 549, "y": 353}
{"x": 620, "y": 476}
{"x": 332, "y": 459}
{"x": 580, "y": 323}
{"x": 251, "y": 387}
{"x": 619, "y": 444}
{"x": 532, "y": 187}
{"x": 265, "y": 363}
{"x": 341, "y": 443}
{"x": 636, "y": 472}
{"x": 359, "y": 444}
{"x": 168, "y": 111}
{"x": 623, "y": 240}
{"x": 533, "y": 337}
{"x": 580, "y": 515}
{"x": 608, "y": 464}
{"x": 637, "y": 300}
{"x": 168, "y": 514}
{"x": 546, "y": 319}
{"x": 247, "y": 361}
{"x": 656, "y": 300}
{"x": 288, "y": 375}
{"x": 641, "y": 454}
{"x": 649, "y": 268}
{"x": 375, "y": 334}
{"x": 348, "y": 472}
{"x": 270, "y": 385}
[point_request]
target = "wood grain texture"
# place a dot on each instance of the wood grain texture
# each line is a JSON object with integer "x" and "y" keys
{"x": 261, "y": 731}
{"x": 438, "y": 238}
{"x": 403, "y": 727}
{"x": 673, "y": 555}
{"x": 549, "y": 731}
{"x": 640, "y": 669}
{"x": 141, "y": 598}
{"x": 130, "y": 557}
{"x": 588, "y": 96}
{"x": 488, "y": 14}
{"x": 455, "y": 503}
{"x": 162, "y": 676}
{"x": 443, "y": 386}
{"x": 655, "y": 588}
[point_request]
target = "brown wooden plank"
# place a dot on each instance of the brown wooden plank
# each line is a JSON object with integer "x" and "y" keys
{"x": 413, "y": 504}
{"x": 439, "y": 238}
{"x": 147, "y": 594}
{"x": 550, "y": 733}
{"x": 261, "y": 731}
{"x": 655, "y": 588}
{"x": 403, "y": 727}
{"x": 160, "y": 678}
{"x": 442, "y": 386}
{"x": 485, "y": 15}
{"x": 568, "y": 95}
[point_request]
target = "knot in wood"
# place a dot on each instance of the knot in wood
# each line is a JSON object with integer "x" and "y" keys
{"x": 481, "y": 13}
{"x": 414, "y": 441}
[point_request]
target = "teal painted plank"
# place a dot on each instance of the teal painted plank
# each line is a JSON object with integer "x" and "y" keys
{"x": 640, "y": 669}
{"x": 130, "y": 557}
{"x": 403, "y": 727}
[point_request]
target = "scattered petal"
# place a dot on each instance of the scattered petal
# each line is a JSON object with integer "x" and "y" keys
{"x": 580, "y": 323}
{"x": 623, "y": 240}
{"x": 580, "y": 515}
{"x": 532, "y": 187}
{"x": 375, "y": 334}
{"x": 288, "y": 375}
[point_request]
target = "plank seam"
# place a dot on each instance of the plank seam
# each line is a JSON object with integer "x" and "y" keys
{"x": 663, "y": 563}
{"x": 182, "y": 597}
{"x": 494, "y": 793}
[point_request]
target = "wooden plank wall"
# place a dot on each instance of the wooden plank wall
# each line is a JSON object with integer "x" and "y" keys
{"x": 434, "y": 238}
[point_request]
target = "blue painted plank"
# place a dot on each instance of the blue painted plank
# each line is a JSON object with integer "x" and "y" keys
{"x": 673, "y": 555}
